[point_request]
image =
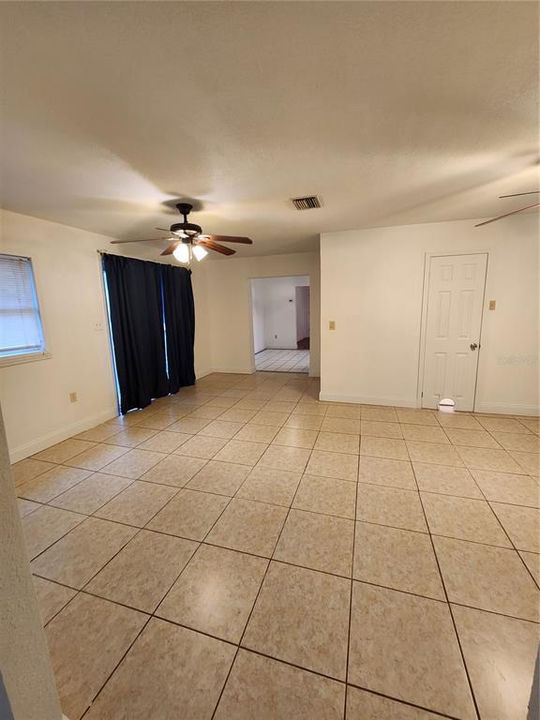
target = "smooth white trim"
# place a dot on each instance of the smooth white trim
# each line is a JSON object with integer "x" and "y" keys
{"x": 235, "y": 371}
{"x": 506, "y": 408}
{"x": 9, "y": 360}
{"x": 363, "y": 400}
{"x": 45, "y": 441}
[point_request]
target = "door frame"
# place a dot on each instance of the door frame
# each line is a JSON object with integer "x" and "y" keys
{"x": 423, "y": 319}
{"x": 250, "y": 306}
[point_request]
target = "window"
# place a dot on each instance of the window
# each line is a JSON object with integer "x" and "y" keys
{"x": 20, "y": 323}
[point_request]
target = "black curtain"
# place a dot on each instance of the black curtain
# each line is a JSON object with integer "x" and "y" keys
{"x": 136, "y": 313}
{"x": 180, "y": 325}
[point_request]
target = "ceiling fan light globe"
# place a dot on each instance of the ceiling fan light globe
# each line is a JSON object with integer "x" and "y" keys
{"x": 199, "y": 252}
{"x": 181, "y": 253}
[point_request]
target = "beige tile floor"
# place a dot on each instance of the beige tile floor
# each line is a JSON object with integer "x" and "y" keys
{"x": 241, "y": 550}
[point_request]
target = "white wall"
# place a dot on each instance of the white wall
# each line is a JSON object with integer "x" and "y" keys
{"x": 372, "y": 286}
{"x": 35, "y": 395}
{"x": 229, "y": 306}
{"x": 274, "y": 312}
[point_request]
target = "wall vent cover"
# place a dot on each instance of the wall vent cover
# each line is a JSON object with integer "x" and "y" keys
{"x": 306, "y": 203}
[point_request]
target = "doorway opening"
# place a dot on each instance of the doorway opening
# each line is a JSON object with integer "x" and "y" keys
{"x": 281, "y": 323}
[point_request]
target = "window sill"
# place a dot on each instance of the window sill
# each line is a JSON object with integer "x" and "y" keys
{"x": 20, "y": 359}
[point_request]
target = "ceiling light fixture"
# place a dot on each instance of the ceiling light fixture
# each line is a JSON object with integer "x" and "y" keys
{"x": 182, "y": 253}
{"x": 199, "y": 252}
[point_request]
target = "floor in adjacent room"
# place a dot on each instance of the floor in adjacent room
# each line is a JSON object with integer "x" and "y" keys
{"x": 242, "y": 550}
{"x": 290, "y": 361}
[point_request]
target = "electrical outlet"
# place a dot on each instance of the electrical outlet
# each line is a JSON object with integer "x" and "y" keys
{"x": 98, "y": 325}
{"x": 332, "y": 325}
{"x": 492, "y": 304}
{"x": 275, "y": 337}
{"x": 73, "y": 397}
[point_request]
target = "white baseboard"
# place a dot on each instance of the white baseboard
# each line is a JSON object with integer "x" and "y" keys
{"x": 45, "y": 441}
{"x": 365, "y": 400}
{"x": 506, "y": 408}
{"x": 234, "y": 371}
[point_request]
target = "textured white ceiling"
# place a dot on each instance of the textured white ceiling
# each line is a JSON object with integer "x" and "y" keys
{"x": 393, "y": 112}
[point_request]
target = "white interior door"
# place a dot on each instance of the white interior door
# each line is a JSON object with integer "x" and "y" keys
{"x": 454, "y": 320}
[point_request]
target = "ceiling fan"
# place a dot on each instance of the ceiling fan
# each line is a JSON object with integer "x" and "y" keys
{"x": 514, "y": 212}
{"x": 188, "y": 240}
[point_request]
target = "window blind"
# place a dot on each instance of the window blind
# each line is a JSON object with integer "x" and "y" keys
{"x": 20, "y": 323}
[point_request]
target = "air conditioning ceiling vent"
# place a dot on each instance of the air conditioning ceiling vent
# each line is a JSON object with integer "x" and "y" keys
{"x": 306, "y": 203}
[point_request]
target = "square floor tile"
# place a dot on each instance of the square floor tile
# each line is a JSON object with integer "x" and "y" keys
{"x": 188, "y": 425}
{"x": 248, "y": 526}
{"x": 241, "y": 451}
{"x": 398, "y": 559}
{"x": 175, "y": 470}
{"x": 528, "y": 462}
{"x": 25, "y": 507}
{"x": 434, "y": 453}
{"x": 296, "y": 437}
{"x": 404, "y": 646}
{"x": 144, "y": 570}
{"x": 222, "y": 478}
{"x": 190, "y": 514}
{"x": 242, "y": 415}
{"x": 333, "y": 465}
{"x": 383, "y": 447}
{"x": 201, "y": 446}
{"x": 309, "y": 421}
{"x": 64, "y": 450}
{"x": 522, "y": 525}
{"x": 281, "y": 457}
{"x": 326, "y": 495}
{"x": 133, "y": 464}
{"x": 497, "y": 424}
{"x": 488, "y": 578}
{"x": 507, "y": 488}
{"x": 131, "y": 436}
{"x": 384, "y": 471}
{"x": 351, "y": 412}
{"x": 379, "y": 414}
{"x": 532, "y": 561}
{"x": 28, "y": 469}
{"x": 459, "y": 420}
{"x": 51, "y": 597}
{"x": 221, "y": 429}
{"x": 380, "y": 429}
{"x": 47, "y": 486}
{"x": 170, "y": 672}
{"x": 165, "y": 442}
{"x": 363, "y": 705}
{"x": 137, "y": 504}
{"x": 271, "y": 486}
{"x": 207, "y": 412}
{"x": 446, "y": 480}
{"x": 488, "y": 459}
{"x": 78, "y": 556}
{"x": 471, "y": 438}
{"x": 89, "y": 495}
{"x": 257, "y": 433}
{"x": 86, "y": 641}
{"x": 302, "y": 616}
{"x": 319, "y": 542}
{"x": 500, "y": 653}
{"x": 97, "y": 457}
{"x": 424, "y": 433}
{"x": 215, "y": 593}
{"x": 266, "y": 689}
{"x": 272, "y": 419}
{"x": 463, "y": 518}
{"x": 390, "y": 506}
{"x": 417, "y": 416}
{"x": 98, "y": 433}
{"x": 340, "y": 425}
{"x": 338, "y": 442}
{"x": 45, "y": 526}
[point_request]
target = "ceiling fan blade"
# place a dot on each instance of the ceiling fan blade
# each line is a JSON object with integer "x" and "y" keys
{"x": 172, "y": 247}
{"x": 118, "y": 242}
{"x": 532, "y": 192}
{"x": 514, "y": 212}
{"x": 230, "y": 239}
{"x": 211, "y": 245}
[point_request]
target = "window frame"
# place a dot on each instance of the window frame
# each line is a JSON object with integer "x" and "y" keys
{"x": 26, "y": 357}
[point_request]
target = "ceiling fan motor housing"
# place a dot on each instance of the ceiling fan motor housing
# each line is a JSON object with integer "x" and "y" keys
{"x": 190, "y": 229}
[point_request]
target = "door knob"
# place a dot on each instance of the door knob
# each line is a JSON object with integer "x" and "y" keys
{"x": 473, "y": 346}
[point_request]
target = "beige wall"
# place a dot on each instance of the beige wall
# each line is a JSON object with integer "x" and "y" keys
{"x": 228, "y": 306}
{"x": 372, "y": 286}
